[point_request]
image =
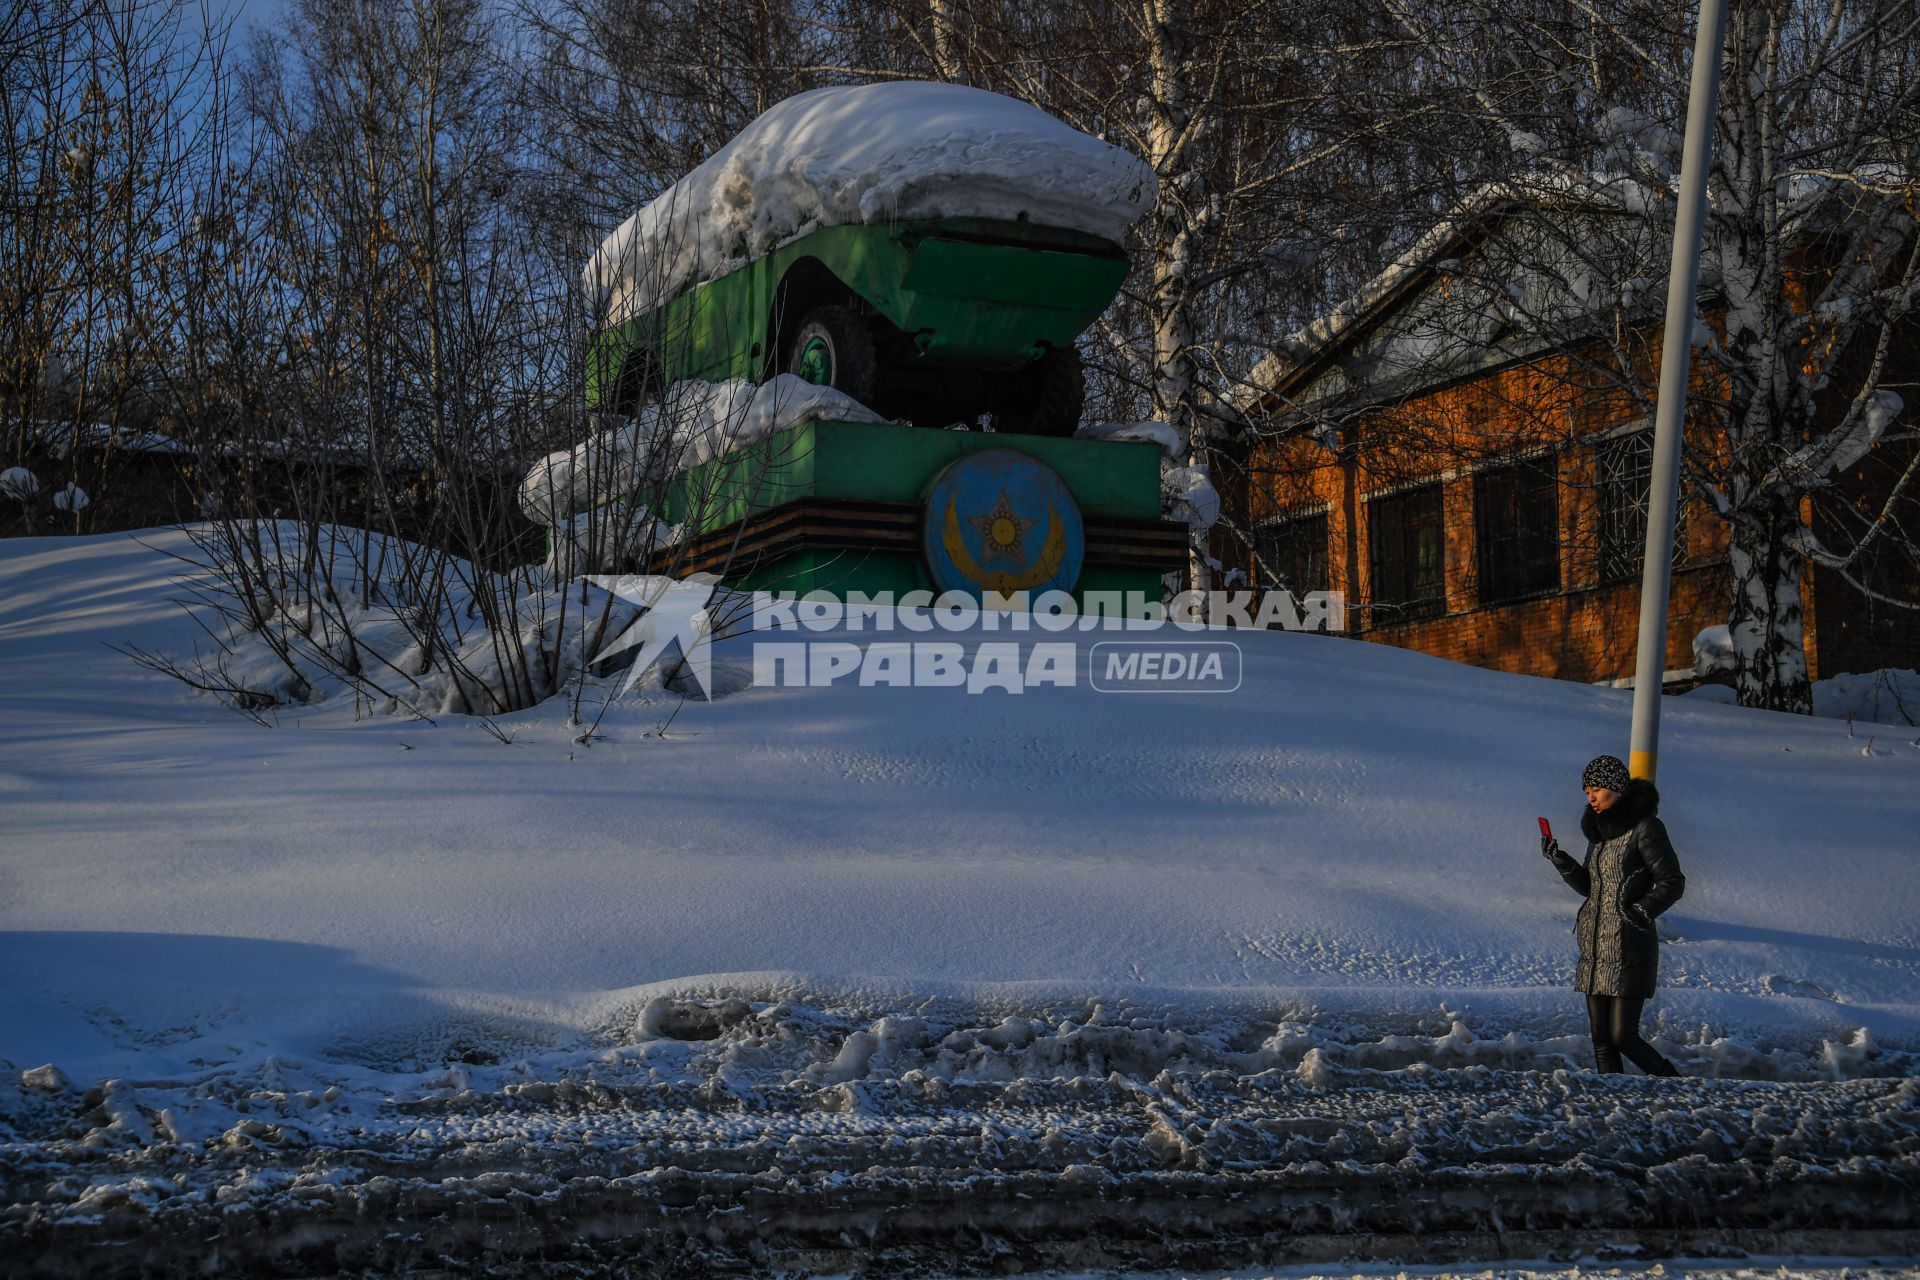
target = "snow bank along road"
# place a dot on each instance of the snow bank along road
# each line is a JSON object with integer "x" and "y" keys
{"x": 732, "y": 1136}
{"x": 833, "y": 974}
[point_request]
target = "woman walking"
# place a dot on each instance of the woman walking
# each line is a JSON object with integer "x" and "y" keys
{"x": 1630, "y": 876}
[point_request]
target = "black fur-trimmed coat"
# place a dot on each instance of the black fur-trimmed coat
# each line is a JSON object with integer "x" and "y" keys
{"x": 1629, "y": 860}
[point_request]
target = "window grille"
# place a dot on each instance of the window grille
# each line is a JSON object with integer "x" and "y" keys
{"x": 1407, "y": 555}
{"x": 1292, "y": 553}
{"x": 1625, "y": 474}
{"x": 1517, "y": 530}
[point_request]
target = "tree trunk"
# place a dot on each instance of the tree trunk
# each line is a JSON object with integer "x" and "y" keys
{"x": 1171, "y": 299}
{"x": 1750, "y": 245}
{"x": 947, "y": 42}
{"x": 1765, "y": 621}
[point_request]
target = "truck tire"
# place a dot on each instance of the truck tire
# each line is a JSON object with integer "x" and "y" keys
{"x": 1048, "y": 397}
{"x": 833, "y": 347}
{"x": 638, "y": 385}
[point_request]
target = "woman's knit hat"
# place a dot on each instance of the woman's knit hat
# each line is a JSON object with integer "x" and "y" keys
{"x": 1605, "y": 771}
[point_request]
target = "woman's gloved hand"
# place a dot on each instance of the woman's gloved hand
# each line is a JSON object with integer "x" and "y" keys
{"x": 1636, "y": 915}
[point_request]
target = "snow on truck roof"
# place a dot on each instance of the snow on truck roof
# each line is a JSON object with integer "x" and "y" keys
{"x": 858, "y": 154}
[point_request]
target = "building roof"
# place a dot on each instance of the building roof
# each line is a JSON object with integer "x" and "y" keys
{"x": 1299, "y": 358}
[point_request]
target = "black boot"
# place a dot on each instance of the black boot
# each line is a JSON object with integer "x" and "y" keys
{"x": 1647, "y": 1058}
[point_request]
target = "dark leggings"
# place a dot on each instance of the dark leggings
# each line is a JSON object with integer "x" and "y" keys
{"x": 1615, "y": 1021}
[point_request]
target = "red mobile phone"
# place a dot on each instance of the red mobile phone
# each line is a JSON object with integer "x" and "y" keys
{"x": 1546, "y": 832}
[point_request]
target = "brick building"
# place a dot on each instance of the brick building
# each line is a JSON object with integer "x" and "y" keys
{"x": 1478, "y": 491}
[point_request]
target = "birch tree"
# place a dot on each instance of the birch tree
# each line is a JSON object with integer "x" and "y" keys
{"x": 1812, "y": 237}
{"x": 1811, "y": 265}
{"x": 1244, "y": 113}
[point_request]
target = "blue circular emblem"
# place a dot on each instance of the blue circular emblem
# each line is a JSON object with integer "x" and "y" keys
{"x": 1001, "y": 521}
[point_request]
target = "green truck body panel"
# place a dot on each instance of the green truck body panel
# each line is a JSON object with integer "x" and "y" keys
{"x": 970, "y": 292}
{"x": 881, "y": 462}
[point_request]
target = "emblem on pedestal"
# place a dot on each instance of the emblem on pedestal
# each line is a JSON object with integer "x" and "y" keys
{"x": 1001, "y": 521}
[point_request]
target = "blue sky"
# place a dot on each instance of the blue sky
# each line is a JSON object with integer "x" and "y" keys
{"x": 247, "y": 12}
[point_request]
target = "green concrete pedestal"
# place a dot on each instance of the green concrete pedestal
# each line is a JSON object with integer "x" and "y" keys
{"x": 837, "y": 507}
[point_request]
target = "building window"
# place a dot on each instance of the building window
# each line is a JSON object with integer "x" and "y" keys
{"x": 1625, "y": 473}
{"x": 1406, "y": 554}
{"x": 1292, "y": 553}
{"x": 1517, "y": 530}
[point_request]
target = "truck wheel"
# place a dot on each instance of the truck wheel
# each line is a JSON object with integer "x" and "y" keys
{"x": 638, "y": 385}
{"x": 834, "y": 348}
{"x": 1049, "y": 395}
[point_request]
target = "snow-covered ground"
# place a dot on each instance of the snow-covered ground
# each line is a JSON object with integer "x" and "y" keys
{"x": 794, "y": 941}
{"x": 1890, "y": 697}
{"x": 1589, "y": 1268}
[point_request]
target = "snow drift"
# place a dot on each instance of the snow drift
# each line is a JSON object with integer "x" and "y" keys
{"x": 836, "y": 942}
{"x": 1352, "y": 831}
{"x": 694, "y": 423}
{"x": 1187, "y": 493}
{"x": 865, "y": 154}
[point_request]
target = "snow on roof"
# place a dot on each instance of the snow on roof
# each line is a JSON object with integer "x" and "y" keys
{"x": 1616, "y": 190}
{"x": 1607, "y": 190}
{"x": 866, "y": 154}
{"x": 1298, "y": 348}
{"x": 60, "y": 438}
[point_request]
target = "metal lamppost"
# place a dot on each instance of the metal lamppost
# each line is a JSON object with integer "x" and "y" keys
{"x": 1676, "y": 357}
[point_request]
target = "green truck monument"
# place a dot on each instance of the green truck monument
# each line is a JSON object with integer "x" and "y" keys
{"x": 931, "y": 250}
{"x": 776, "y": 332}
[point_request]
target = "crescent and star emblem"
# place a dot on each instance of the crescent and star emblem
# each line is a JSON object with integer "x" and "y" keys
{"x": 1021, "y": 530}
{"x": 1003, "y": 531}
